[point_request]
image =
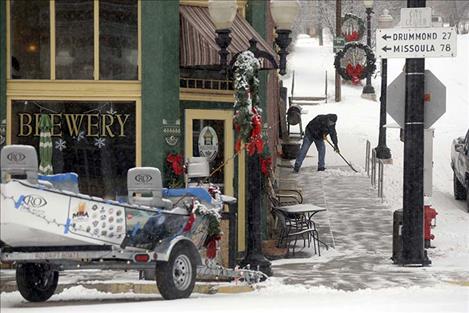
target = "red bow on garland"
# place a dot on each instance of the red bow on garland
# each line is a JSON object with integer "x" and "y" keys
{"x": 265, "y": 165}
{"x": 352, "y": 37}
{"x": 176, "y": 163}
{"x": 354, "y": 72}
{"x": 212, "y": 247}
{"x": 255, "y": 142}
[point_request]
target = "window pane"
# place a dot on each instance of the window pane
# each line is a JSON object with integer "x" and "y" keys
{"x": 208, "y": 141}
{"x": 74, "y": 39}
{"x": 118, "y": 38}
{"x": 30, "y": 39}
{"x": 94, "y": 139}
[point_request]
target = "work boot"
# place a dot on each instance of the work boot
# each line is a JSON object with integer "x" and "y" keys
{"x": 296, "y": 170}
{"x": 321, "y": 169}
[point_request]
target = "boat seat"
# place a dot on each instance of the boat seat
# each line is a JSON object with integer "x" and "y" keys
{"x": 146, "y": 181}
{"x": 198, "y": 169}
{"x": 19, "y": 160}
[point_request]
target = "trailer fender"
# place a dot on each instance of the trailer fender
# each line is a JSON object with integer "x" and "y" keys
{"x": 163, "y": 249}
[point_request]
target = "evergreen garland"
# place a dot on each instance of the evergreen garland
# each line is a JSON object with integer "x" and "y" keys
{"x": 247, "y": 118}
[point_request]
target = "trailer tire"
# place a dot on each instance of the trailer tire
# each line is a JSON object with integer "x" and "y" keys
{"x": 176, "y": 278}
{"x": 36, "y": 282}
{"x": 460, "y": 192}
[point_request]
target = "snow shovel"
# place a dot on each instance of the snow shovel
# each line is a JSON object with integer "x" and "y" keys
{"x": 348, "y": 163}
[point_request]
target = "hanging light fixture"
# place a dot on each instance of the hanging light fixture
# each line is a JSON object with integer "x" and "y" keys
{"x": 222, "y": 14}
{"x": 284, "y": 14}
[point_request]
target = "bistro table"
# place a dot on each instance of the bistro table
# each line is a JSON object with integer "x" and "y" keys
{"x": 303, "y": 214}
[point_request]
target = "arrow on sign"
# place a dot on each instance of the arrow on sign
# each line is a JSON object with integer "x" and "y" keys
{"x": 386, "y": 37}
{"x": 386, "y": 49}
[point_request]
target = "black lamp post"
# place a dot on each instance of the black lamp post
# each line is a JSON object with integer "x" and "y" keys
{"x": 283, "y": 13}
{"x": 382, "y": 151}
{"x": 368, "y": 89}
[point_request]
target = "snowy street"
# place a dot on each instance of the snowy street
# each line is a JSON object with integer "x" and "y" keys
{"x": 356, "y": 273}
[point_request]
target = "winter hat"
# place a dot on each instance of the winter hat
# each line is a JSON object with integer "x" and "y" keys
{"x": 332, "y": 117}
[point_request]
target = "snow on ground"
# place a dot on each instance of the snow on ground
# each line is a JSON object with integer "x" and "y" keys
{"x": 274, "y": 297}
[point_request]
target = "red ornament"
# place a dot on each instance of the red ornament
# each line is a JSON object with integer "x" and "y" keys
{"x": 354, "y": 71}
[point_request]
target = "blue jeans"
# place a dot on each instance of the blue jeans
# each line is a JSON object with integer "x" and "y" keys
{"x": 320, "y": 146}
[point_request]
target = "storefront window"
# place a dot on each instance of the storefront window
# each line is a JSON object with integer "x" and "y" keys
{"x": 94, "y": 139}
{"x": 74, "y": 39}
{"x": 30, "y": 39}
{"x": 118, "y": 39}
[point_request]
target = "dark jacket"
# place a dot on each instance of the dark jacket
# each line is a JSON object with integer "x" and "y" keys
{"x": 321, "y": 126}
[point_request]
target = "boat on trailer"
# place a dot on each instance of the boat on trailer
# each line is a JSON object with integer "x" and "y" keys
{"x": 47, "y": 226}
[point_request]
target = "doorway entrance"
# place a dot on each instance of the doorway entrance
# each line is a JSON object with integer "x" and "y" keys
{"x": 209, "y": 133}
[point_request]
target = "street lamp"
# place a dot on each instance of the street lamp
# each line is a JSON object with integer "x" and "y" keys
{"x": 368, "y": 89}
{"x": 283, "y": 13}
{"x": 222, "y": 14}
{"x": 382, "y": 151}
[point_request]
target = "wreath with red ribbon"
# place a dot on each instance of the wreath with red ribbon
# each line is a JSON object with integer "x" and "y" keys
{"x": 355, "y": 71}
{"x": 357, "y": 29}
{"x": 247, "y": 119}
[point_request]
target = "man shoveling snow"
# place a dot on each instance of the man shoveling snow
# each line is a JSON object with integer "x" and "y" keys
{"x": 316, "y": 131}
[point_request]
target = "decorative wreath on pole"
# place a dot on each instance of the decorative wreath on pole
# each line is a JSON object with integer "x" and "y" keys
{"x": 247, "y": 119}
{"x": 355, "y": 62}
{"x": 352, "y": 28}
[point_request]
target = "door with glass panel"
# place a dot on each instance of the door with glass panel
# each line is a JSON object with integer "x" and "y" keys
{"x": 209, "y": 134}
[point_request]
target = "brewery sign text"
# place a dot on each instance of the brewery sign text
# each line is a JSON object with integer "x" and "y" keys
{"x": 72, "y": 124}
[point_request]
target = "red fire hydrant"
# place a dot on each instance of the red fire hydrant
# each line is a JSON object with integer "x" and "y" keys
{"x": 429, "y": 215}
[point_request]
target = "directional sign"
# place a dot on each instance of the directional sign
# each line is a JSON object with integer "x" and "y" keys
{"x": 416, "y": 42}
{"x": 339, "y": 44}
{"x": 434, "y": 100}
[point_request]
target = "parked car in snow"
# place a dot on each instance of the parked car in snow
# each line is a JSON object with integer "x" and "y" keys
{"x": 460, "y": 166}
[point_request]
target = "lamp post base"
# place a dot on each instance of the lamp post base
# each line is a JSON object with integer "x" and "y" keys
{"x": 383, "y": 152}
{"x": 257, "y": 261}
{"x": 369, "y": 96}
{"x": 368, "y": 89}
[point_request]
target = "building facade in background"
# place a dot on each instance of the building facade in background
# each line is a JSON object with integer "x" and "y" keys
{"x": 125, "y": 83}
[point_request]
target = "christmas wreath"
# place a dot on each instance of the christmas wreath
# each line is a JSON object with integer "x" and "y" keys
{"x": 247, "y": 119}
{"x": 355, "y": 62}
{"x": 352, "y": 28}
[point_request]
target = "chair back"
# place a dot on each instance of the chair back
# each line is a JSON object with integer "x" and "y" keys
{"x": 271, "y": 193}
{"x": 19, "y": 160}
{"x": 147, "y": 182}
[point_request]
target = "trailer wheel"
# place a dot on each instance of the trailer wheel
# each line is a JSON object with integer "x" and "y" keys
{"x": 459, "y": 190}
{"x": 176, "y": 278}
{"x": 36, "y": 282}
